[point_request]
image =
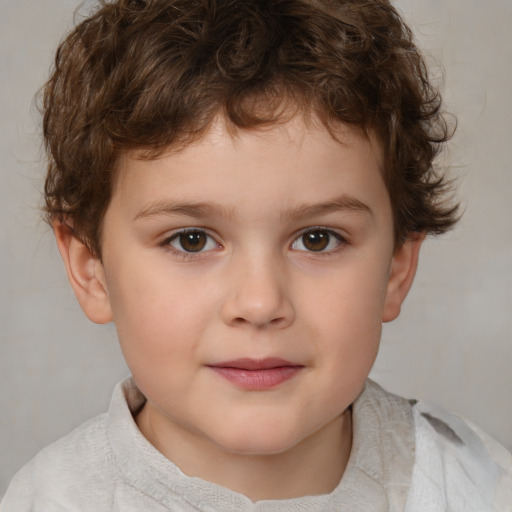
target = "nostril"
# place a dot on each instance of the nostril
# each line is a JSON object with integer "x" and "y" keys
{"x": 259, "y": 302}
{"x": 278, "y": 321}
{"x": 274, "y": 323}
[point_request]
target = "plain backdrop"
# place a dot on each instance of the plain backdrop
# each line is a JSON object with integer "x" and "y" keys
{"x": 453, "y": 342}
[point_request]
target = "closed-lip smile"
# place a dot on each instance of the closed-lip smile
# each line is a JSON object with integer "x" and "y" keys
{"x": 256, "y": 374}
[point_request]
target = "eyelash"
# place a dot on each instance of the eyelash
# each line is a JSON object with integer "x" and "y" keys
{"x": 167, "y": 243}
{"x": 341, "y": 242}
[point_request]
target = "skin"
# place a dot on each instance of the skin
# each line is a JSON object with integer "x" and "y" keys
{"x": 256, "y": 289}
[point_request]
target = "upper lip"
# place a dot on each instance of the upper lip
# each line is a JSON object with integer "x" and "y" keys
{"x": 255, "y": 364}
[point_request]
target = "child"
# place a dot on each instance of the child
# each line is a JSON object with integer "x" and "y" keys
{"x": 243, "y": 188}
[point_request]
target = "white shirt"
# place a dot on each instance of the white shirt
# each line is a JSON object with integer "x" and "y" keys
{"x": 406, "y": 456}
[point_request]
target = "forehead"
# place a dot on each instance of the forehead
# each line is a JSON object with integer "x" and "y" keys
{"x": 292, "y": 161}
{"x": 290, "y": 122}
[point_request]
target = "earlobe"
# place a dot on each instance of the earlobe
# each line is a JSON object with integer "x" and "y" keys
{"x": 85, "y": 273}
{"x": 402, "y": 272}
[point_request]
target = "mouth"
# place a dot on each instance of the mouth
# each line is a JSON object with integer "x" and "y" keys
{"x": 257, "y": 374}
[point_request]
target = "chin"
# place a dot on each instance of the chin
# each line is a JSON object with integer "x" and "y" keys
{"x": 254, "y": 442}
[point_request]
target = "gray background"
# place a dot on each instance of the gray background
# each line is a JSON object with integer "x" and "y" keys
{"x": 452, "y": 344}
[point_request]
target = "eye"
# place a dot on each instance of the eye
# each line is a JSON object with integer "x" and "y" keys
{"x": 192, "y": 240}
{"x": 317, "y": 240}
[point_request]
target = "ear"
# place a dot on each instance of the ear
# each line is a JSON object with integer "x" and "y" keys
{"x": 85, "y": 273}
{"x": 402, "y": 272}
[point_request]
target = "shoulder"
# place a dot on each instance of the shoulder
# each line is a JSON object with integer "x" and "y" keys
{"x": 458, "y": 467}
{"x": 68, "y": 470}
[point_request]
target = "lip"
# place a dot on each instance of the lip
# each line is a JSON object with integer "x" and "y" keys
{"x": 257, "y": 374}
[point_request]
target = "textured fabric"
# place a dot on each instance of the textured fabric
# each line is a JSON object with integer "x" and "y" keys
{"x": 405, "y": 456}
{"x": 458, "y": 467}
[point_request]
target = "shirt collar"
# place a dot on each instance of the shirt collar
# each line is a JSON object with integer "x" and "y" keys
{"x": 376, "y": 479}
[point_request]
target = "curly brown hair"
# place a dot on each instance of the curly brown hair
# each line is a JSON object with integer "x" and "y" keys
{"x": 151, "y": 74}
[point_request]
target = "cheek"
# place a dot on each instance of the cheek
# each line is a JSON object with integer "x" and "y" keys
{"x": 157, "y": 316}
{"x": 347, "y": 317}
{"x": 349, "y": 297}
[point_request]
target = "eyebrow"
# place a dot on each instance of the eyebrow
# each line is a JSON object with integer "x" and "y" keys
{"x": 189, "y": 209}
{"x": 341, "y": 203}
{"x": 208, "y": 209}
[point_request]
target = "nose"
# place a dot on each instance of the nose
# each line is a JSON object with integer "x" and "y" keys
{"x": 258, "y": 295}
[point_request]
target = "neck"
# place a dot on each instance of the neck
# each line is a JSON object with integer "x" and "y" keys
{"x": 312, "y": 467}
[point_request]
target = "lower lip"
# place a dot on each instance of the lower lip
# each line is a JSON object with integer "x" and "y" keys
{"x": 257, "y": 380}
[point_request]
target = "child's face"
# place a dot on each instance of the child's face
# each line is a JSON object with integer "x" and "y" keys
{"x": 248, "y": 278}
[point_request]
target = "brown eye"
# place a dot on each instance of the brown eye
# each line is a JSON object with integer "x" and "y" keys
{"x": 194, "y": 240}
{"x": 318, "y": 240}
